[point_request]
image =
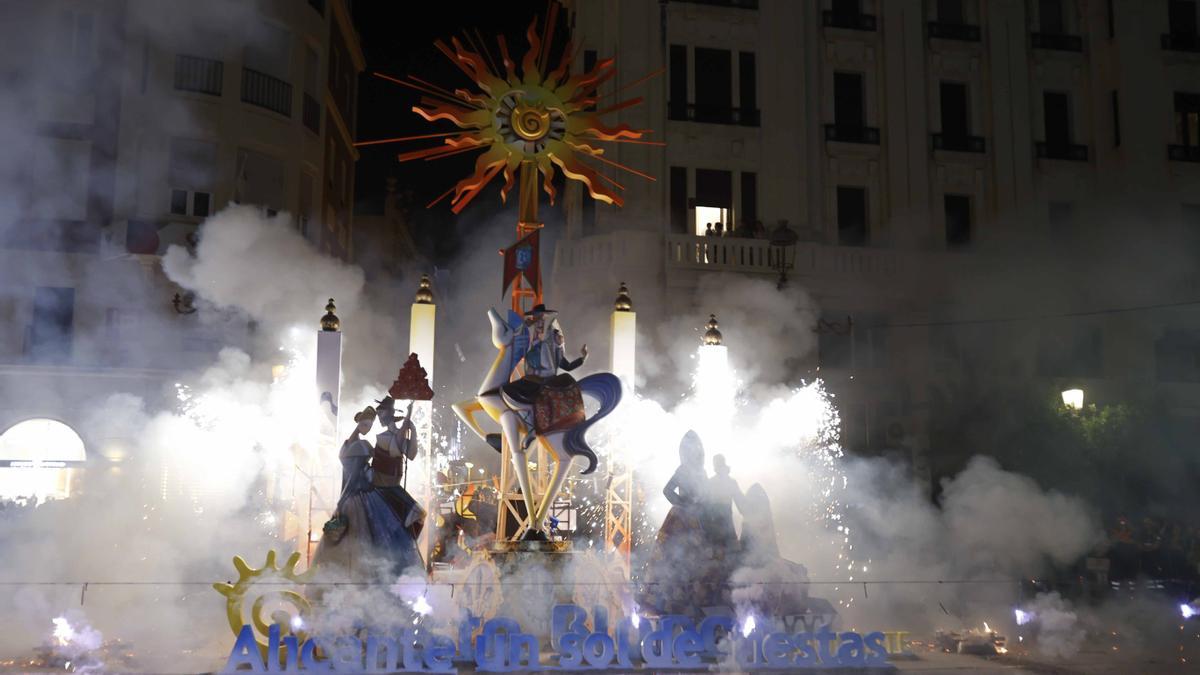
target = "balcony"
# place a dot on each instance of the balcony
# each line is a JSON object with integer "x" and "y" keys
{"x": 863, "y": 22}
{"x": 1181, "y": 42}
{"x": 203, "y": 76}
{"x": 1066, "y": 151}
{"x": 709, "y": 114}
{"x": 310, "y": 113}
{"x": 731, "y": 254}
{"x": 852, "y": 133}
{"x": 956, "y": 143}
{"x": 1183, "y": 153}
{"x": 738, "y": 4}
{"x": 954, "y": 31}
{"x": 267, "y": 92}
{"x": 1062, "y": 43}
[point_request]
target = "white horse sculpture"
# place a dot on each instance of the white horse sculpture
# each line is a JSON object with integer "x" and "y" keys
{"x": 565, "y": 444}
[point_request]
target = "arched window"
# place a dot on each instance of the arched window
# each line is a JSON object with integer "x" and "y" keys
{"x": 37, "y": 459}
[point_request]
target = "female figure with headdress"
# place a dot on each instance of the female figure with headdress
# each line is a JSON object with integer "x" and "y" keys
{"x": 376, "y": 520}
{"x": 677, "y": 565}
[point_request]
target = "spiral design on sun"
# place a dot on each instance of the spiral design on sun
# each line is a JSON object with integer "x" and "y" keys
{"x": 526, "y": 126}
{"x": 268, "y": 604}
{"x": 530, "y": 123}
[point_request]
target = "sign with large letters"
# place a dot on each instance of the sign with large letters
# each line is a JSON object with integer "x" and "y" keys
{"x": 501, "y": 645}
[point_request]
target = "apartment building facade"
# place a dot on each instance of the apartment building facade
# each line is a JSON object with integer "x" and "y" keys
{"x": 133, "y": 121}
{"x": 897, "y": 139}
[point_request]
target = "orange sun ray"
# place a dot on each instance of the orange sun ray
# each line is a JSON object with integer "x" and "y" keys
{"x": 401, "y": 139}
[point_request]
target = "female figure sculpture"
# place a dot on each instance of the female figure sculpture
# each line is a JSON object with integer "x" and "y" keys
{"x": 678, "y": 567}
{"x": 376, "y": 521}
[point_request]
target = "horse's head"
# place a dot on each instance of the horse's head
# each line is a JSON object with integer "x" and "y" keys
{"x": 502, "y": 335}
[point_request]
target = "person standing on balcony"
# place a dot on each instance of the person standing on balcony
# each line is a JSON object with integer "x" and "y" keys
{"x": 719, "y": 229}
{"x": 708, "y": 230}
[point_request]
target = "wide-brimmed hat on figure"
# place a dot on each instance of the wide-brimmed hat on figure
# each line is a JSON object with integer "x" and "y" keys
{"x": 540, "y": 310}
{"x": 368, "y": 413}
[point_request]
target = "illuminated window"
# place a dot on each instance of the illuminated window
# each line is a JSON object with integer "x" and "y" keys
{"x": 37, "y": 458}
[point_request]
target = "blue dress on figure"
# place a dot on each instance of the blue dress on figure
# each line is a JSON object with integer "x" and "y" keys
{"x": 376, "y": 523}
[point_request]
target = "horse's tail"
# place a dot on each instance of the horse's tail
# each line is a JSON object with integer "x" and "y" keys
{"x": 606, "y": 388}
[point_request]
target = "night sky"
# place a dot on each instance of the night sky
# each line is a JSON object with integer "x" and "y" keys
{"x": 397, "y": 44}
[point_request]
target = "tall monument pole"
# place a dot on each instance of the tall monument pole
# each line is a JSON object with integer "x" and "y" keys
{"x": 524, "y": 297}
{"x": 421, "y": 332}
{"x": 618, "y": 496}
{"x": 323, "y": 488}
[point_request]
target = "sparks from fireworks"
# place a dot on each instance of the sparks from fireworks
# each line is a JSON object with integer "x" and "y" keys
{"x": 795, "y": 432}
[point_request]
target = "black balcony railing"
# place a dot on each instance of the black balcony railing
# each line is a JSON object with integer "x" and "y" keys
{"x": 1062, "y": 43}
{"x": 955, "y": 143}
{"x": 266, "y": 91}
{"x": 740, "y": 4}
{"x": 310, "y": 113}
{"x": 852, "y": 133}
{"x": 850, "y": 21}
{"x": 1183, "y": 153}
{"x": 1181, "y": 42}
{"x": 1067, "y": 151}
{"x": 954, "y": 31}
{"x": 710, "y": 114}
{"x": 193, "y": 73}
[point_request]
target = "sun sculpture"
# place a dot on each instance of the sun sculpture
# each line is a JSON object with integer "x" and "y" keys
{"x": 525, "y": 120}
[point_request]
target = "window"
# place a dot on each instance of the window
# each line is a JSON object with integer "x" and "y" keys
{"x": 589, "y": 62}
{"x": 259, "y": 179}
{"x": 714, "y": 198}
{"x": 951, "y": 12}
{"x": 1058, "y": 119}
{"x": 679, "y": 200}
{"x": 835, "y": 347}
{"x": 958, "y": 220}
{"x": 679, "y": 82}
{"x": 1187, "y": 119}
{"x": 1182, "y": 17}
{"x": 955, "y": 117}
{"x": 848, "y": 108}
{"x": 53, "y": 322}
{"x": 310, "y": 112}
{"x": 191, "y": 174}
{"x": 1050, "y": 17}
{"x": 587, "y": 215}
{"x": 847, "y": 9}
{"x": 77, "y": 37}
{"x": 747, "y": 84}
{"x": 749, "y": 212}
{"x": 852, "y": 216}
{"x": 714, "y": 91}
{"x": 304, "y": 214}
{"x": 201, "y": 75}
{"x": 1116, "y": 119}
{"x": 270, "y": 51}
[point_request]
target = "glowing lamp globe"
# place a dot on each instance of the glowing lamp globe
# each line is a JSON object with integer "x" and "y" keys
{"x": 1073, "y": 399}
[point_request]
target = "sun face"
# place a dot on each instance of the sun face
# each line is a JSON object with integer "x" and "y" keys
{"x": 546, "y": 118}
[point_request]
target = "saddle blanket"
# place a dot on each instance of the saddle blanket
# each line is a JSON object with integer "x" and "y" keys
{"x": 558, "y": 408}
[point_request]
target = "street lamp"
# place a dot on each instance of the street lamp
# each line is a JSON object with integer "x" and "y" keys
{"x": 1073, "y": 399}
{"x": 783, "y": 243}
